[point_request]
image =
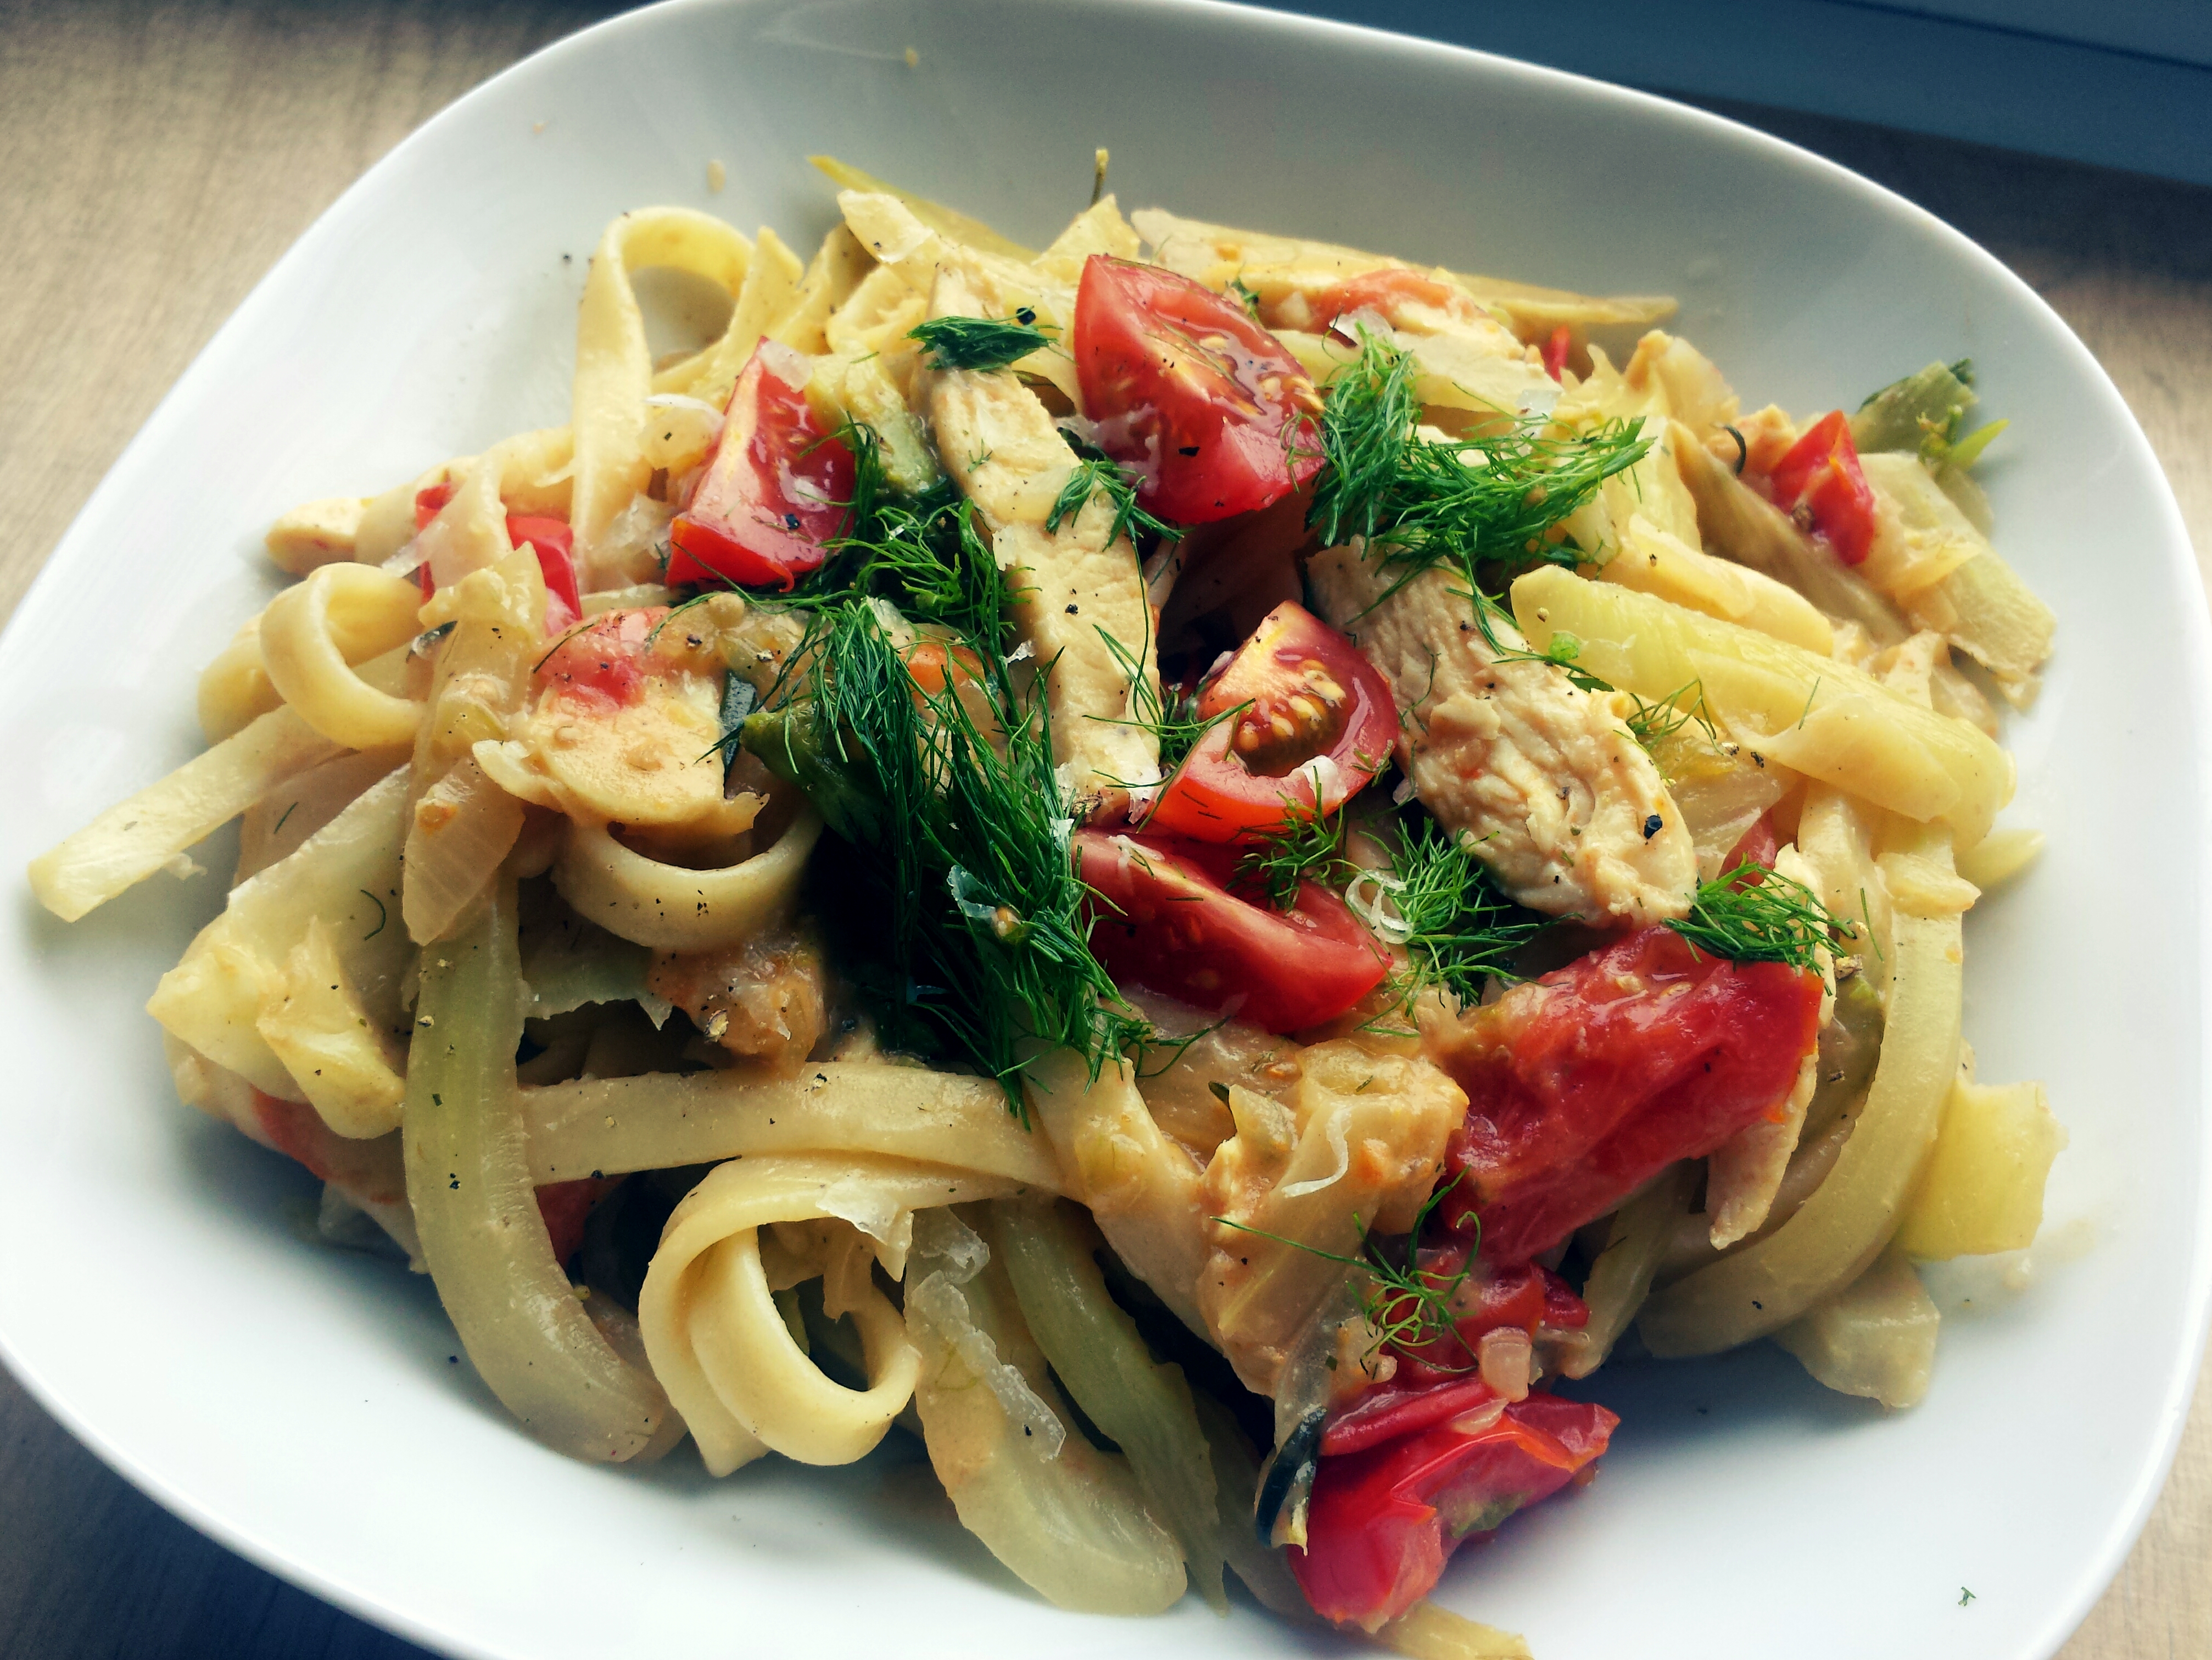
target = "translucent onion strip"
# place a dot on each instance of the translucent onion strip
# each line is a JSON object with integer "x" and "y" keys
{"x": 1141, "y": 1406}
{"x": 1065, "y": 1517}
{"x": 468, "y": 1180}
{"x": 1621, "y": 1277}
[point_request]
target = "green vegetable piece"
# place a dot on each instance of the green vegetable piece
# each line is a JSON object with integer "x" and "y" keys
{"x": 791, "y": 744}
{"x": 1906, "y": 414}
{"x": 468, "y": 1181}
{"x": 1144, "y": 1407}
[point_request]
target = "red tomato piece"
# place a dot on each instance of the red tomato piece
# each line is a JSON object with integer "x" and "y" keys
{"x": 1820, "y": 478}
{"x": 602, "y": 665}
{"x": 1757, "y": 846}
{"x": 547, "y": 537}
{"x": 297, "y": 1130}
{"x": 1585, "y": 1083}
{"x": 1202, "y": 406}
{"x": 775, "y": 492}
{"x": 1523, "y": 1295}
{"x": 1387, "y": 1412}
{"x": 1562, "y": 342}
{"x": 1313, "y": 697}
{"x": 1163, "y": 916}
{"x": 1386, "y": 292}
{"x": 567, "y": 1205}
{"x": 1384, "y": 1520}
{"x": 553, "y": 541}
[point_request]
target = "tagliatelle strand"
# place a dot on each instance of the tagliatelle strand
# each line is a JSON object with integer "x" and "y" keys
{"x": 721, "y": 1347}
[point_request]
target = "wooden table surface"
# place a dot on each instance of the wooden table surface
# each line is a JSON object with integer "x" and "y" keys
{"x": 155, "y": 159}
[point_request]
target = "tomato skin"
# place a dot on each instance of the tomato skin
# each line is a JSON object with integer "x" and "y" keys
{"x": 774, "y": 491}
{"x": 602, "y": 665}
{"x": 1384, "y": 291}
{"x": 1556, "y": 349}
{"x": 552, "y": 541}
{"x": 1198, "y": 401}
{"x": 1241, "y": 778}
{"x": 1821, "y": 475}
{"x": 1757, "y": 846}
{"x": 547, "y": 537}
{"x": 1162, "y": 917}
{"x": 1521, "y": 1295}
{"x": 565, "y": 1207}
{"x": 1585, "y": 1083}
{"x": 1384, "y": 1520}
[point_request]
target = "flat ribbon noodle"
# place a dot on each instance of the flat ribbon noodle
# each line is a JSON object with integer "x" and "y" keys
{"x": 672, "y": 908}
{"x": 614, "y": 365}
{"x": 719, "y": 1344}
{"x": 313, "y": 633}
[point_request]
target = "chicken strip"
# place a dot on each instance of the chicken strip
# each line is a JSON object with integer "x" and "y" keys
{"x": 1075, "y": 593}
{"x": 1563, "y": 805}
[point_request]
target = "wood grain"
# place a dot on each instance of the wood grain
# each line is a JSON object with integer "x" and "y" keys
{"x": 157, "y": 159}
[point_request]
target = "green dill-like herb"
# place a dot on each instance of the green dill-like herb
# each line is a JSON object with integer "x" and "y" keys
{"x": 961, "y": 843}
{"x": 981, "y": 343}
{"x": 1308, "y": 847}
{"x": 1095, "y": 474}
{"x": 922, "y": 553}
{"x": 1562, "y": 652}
{"x": 1245, "y": 295}
{"x": 1649, "y": 723}
{"x": 1169, "y": 714}
{"x": 1406, "y": 1306}
{"x": 1458, "y": 929}
{"x": 1753, "y": 914}
{"x": 1485, "y": 505}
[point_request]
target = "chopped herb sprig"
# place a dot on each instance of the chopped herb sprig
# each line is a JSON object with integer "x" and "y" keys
{"x": 1408, "y": 1306}
{"x": 1444, "y": 907}
{"x": 1308, "y": 847}
{"x": 981, "y": 343}
{"x": 1485, "y": 505}
{"x": 962, "y": 842}
{"x": 1098, "y": 474}
{"x": 1753, "y": 914}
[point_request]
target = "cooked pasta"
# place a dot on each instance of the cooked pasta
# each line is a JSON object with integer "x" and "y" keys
{"x": 847, "y": 891}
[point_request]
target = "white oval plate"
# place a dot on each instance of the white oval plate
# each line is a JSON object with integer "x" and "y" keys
{"x": 301, "y": 1405}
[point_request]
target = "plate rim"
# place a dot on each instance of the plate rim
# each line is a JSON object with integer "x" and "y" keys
{"x": 2093, "y": 1579}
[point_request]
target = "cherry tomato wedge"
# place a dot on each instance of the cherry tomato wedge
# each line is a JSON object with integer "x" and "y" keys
{"x": 1162, "y": 917}
{"x": 548, "y": 538}
{"x": 1819, "y": 478}
{"x": 1756, "y": 846}
{"x": 1205, "y": 407}
{"x": 775, "y": 489}
{"x": 1585, "y": 1083}
{"x": 1311, "y": 698}
{"x": 1384, "y": 1520}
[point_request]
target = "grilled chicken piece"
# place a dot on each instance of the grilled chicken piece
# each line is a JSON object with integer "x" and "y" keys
{"x": 1565, "y": 808}
{"x": 1072, "y": 589}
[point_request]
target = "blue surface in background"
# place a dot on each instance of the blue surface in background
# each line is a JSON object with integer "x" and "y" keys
{"x": 2142, "y": 100}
